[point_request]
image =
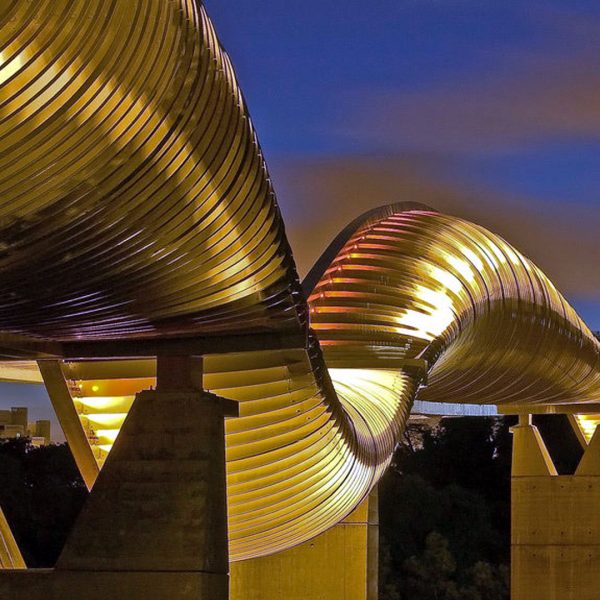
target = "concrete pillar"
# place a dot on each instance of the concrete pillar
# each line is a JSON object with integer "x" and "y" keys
{"x": 555, "y": 523}
{"x": 340, "y": 564}
{"x": 155, "y": 523}
{"x": 530, "y": 456}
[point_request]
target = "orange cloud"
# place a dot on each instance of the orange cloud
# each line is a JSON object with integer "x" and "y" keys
{"x": 319, "y": 197}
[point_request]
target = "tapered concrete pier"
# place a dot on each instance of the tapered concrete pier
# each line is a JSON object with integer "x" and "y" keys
{"x": 555, "y": 522}
{"x": 155, "y": 523}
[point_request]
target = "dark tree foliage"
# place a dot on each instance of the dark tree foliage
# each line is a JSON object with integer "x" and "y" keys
{"x": 41, "y": 494}
{"x": 445, "y": 507}
{"x": 445, "y": 513}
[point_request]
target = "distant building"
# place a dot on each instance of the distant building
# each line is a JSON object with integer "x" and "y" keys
{"x": 14, "y": 424}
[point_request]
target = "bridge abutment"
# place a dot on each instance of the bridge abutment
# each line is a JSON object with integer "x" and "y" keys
{"x": 155, "y": 523}
{"x": 555, "y": 522}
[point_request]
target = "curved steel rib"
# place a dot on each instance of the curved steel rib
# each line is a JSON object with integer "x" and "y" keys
{"x": 134, "y": 193}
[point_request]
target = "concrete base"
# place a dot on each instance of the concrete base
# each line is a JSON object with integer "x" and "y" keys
{"x": 63, "y": 585}
{"x": 340, "y": 564}
{"x": 155, "y": 523}
{"x": 159, "y": 503}
{"x": 555, "y": 527}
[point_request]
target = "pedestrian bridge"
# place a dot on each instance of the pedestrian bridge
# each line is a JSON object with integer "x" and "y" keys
{"x": 138, "y": 220}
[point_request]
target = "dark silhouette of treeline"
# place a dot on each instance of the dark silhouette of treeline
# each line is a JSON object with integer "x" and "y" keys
{"x": 41, "y": 494}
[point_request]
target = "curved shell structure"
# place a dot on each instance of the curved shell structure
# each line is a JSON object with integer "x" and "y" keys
{"x": 136, "y": 205}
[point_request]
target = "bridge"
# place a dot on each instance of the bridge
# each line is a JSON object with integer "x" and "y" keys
{"x": 225, "y": 416}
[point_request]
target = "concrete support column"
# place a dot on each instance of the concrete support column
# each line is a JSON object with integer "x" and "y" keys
{"x": 155, "y": 523}
{"x": 555, "y": 523}
{"x": 340, "y": 564}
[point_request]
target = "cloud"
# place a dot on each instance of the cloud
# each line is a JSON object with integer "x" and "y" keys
{"x": 319, "y": 197}
{"x": 540, "y": 99}
{"x": 531, "y": 93}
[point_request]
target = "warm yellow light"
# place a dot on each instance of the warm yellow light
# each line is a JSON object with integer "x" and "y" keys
{"x": 462, "y": 266}
{"x": 8, "y": 67}
{"x": 435, "y": 298}
{"x": 511, "y": 254}
{"x": 107, "y": 435}
{"x": 21, "y": 371}
{"x": 588, "y": 424}
{"x": 447, "y": 279}
{"x": 105, "y": 403}
{"x": 442, "y": 312}
{"x": 473, "y": 258}
{"x": 426, "y": 326}
{"x": 369, "y": 390}
{"x": 115, "y": 420}
{"x": 102, "y": 418}
{"x": 499, "y": 255}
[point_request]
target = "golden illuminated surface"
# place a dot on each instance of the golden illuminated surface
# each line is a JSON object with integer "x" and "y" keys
{"x": 585, "y": 426}
{"x": 137, "y": 204}
{"x": 20, "y": 371}
{"x": 10, "y": 555}
{"x": 129, "y": 162}
{"x": 298, "y": 458}
{"x": 416, "y": 284}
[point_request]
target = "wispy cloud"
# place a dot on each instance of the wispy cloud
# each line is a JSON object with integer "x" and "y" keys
{"x": 319, "y": 197}
{"x": 543, "y": 89}
{"x": 543, "y": 100}
{"x": 533, "y": 95}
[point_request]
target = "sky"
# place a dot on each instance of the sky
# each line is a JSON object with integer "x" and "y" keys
{"x": 486, "y": 109}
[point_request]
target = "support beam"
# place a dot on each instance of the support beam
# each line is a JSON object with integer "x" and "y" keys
{"x": 590, "y": 461}
{"x": 10, "y": 555}
{"x": 340, "y": 564}
{"x": 62, "y": 402}
{"x": 194, "y": 345}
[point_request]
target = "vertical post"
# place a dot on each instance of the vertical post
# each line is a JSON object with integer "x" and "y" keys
{"x": 62, "y": 402}
{"x": 373, "y": 546}
{"x": 178, "y": 373}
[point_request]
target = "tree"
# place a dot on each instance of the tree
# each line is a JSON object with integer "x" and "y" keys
{"x": 445, "y": 505}
{"x": 41, "y": 494}
{"x": 429, "y": 576}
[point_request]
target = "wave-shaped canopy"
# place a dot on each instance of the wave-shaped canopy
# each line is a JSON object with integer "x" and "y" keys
{"x": 136, "y": 204}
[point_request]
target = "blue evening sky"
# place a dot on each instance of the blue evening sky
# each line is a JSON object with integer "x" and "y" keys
{"x": 498, "y": 101}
